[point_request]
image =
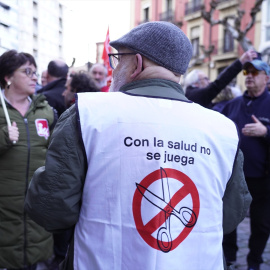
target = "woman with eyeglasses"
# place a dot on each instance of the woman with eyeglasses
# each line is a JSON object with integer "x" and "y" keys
{"x": 23, "y": 147}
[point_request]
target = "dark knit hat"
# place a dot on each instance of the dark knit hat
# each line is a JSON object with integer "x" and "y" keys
{"x": 162, "y": 42}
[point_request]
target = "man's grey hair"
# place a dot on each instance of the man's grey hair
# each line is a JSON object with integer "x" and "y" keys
{"x": 99, "y": 65}
{"x": 191, "y": 78}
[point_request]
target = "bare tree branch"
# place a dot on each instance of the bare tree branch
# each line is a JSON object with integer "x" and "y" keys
{"x": 253, "y": 12}
{"x": 232, "y": 23}
{"x": 235, "y": 27}
{"x": 208, "y": 15}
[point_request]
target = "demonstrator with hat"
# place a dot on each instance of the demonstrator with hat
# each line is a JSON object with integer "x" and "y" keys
{"x": 116, "y": 172}
{"x": 251, "y": 113}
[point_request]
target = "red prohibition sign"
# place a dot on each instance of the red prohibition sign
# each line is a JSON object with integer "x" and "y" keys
{"x": 146, "y": 230}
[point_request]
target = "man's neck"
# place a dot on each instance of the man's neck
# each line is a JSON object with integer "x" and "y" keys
{"x": 157, "y": 72}
{"x": 51, "y": 79}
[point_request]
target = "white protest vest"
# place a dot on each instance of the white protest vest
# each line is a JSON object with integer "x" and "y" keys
{"x": 157, "y": 172}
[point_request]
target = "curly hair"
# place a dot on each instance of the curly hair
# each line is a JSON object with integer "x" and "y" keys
{"x": 10, "y": 61}
{"x": 82, "y": 82}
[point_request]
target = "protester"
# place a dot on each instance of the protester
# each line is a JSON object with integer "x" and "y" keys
{"x": 198, "y": 87}
{"x": 251, "y": 113}
{"x": 143, "y": 180}
{"x": 23, "y": 146}
{"x": 99, "y": 74}
{"x": 78, "y": 83}
{"x": 56, "y": 80}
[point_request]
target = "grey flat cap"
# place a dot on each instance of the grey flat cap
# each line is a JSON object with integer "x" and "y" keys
{"x": 162, "y": 42}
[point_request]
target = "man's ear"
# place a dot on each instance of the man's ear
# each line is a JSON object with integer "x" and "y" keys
{"x": 139, "y": 66}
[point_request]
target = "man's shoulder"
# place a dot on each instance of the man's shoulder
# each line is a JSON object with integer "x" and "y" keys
{"x": 55, "y": 85}
{"x": 233, "y": 103}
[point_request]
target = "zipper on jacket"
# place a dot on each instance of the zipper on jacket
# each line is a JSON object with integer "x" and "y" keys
{"x": 26, "y": 187}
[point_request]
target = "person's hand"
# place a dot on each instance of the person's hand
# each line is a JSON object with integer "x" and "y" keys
{"x": 248, "y": 56}
{"x": 256, "y": 129}
{"x": 13, "y": 132}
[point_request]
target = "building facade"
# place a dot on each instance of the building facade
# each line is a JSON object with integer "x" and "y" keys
{"x": 33, "y": 26}
{"x": 214, "y": 48}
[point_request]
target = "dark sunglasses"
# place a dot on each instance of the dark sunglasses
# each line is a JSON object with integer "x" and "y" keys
{"x": 253, "y": 72}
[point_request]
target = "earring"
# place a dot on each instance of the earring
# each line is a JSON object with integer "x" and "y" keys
{"x": 8, "y": 84}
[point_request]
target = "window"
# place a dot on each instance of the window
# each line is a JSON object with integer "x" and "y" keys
{"x": 60, "y": 37}
{"x": 60, "y": 23}
{"x": 35, "y": 24}
{"x": 267, "y": 23}
{"x": 60, "y": 10}
{"x": 169, "y": 4}
{"x": 60, "y": 50}
{"x": 228, "y": 45}
{"x": 146, "y": 14}
{"x": 35, "y": 53}
{"x": 228, "y": 42}
{"x": 35, "y": 5}
{"x": 195, "y": 40}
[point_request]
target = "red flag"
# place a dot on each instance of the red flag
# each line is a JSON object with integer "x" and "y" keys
{"x": 105, "y": 57}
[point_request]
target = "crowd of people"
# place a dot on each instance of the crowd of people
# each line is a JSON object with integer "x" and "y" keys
{"x": 150, "y": 175}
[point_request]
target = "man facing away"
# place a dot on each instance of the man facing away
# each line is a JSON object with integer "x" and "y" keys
{"x": 56, "y": 80}
{"x": 251, "y": 113}
{"x": 137, "y": 171}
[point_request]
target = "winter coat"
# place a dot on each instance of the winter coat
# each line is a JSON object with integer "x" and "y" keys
{"x": 22, "y": 241}
{"x": 53, "y": 92}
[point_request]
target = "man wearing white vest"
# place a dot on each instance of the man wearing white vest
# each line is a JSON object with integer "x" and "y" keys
{"x": 148, "y": 179}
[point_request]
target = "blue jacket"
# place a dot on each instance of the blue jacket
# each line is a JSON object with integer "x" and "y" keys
{"x": 255, "y": 149}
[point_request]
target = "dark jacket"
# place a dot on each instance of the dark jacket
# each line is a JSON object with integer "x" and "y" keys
{"x": 204, "y": 96}
{"x": 22, "y": 241}
{"x": 66, "y": 165}
{"x": 53, "y": 92}
{"x": 255, "y": 149}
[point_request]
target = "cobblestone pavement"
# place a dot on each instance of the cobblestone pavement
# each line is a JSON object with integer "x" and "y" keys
{"x": 243, "y": 233}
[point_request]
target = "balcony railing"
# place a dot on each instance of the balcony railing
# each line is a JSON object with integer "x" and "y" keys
{"x": 167, "y": 16}
{"x": 223, "y": 46}
{"x": 143, "y": 21}
{"x": 192, "y": 7}
{"x": 221, "y": 1}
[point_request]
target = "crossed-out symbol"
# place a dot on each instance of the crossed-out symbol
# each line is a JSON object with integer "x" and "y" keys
{"x": 166, "y": 204}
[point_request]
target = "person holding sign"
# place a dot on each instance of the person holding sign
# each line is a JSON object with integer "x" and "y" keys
{"x": 147, "y": 178}
{"x": 26, "y": 122}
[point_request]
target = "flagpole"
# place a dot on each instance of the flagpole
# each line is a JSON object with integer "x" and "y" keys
{"x": 5, "y": 110}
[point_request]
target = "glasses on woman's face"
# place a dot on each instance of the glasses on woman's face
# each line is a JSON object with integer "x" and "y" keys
{"x": 114, "y": 58}
{"x": 29, "y": 72}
